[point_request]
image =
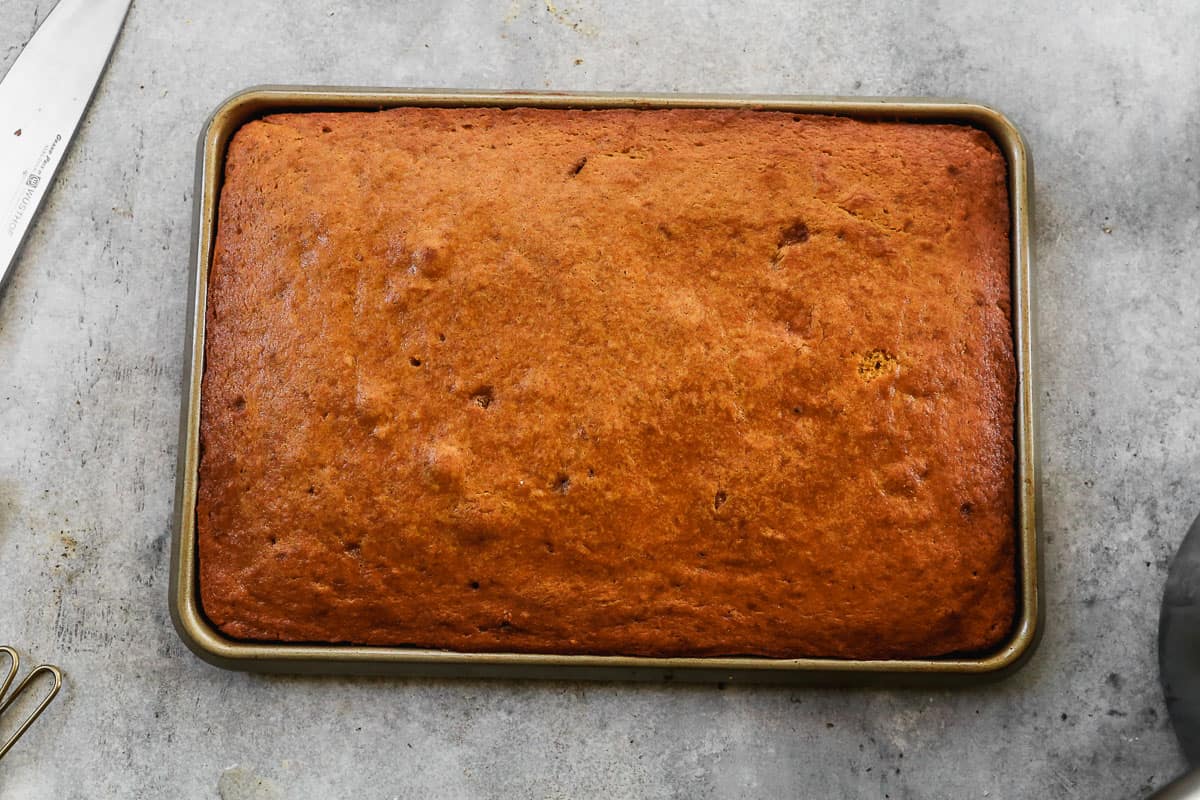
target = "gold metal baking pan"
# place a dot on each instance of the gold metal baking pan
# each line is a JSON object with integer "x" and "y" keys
{"x": 208, "y": 643}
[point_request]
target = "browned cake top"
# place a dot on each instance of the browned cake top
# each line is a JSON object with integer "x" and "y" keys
{"x": 643, "y": 382}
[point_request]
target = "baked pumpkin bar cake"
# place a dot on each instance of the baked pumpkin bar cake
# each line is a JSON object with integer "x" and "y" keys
{"x": 642, "y": 382}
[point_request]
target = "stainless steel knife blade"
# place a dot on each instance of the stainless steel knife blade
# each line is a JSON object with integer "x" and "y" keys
{"x": 1179, "y": 643}
{"x": 42, "y": 100}
{"x": 1179, "y": 659}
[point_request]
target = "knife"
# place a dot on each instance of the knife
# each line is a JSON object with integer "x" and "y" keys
{"x": 42, "y": 100}
{"x": 1179, "y": 659}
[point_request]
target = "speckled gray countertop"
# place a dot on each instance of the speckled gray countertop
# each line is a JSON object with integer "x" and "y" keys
{"x": 91, "y": 334}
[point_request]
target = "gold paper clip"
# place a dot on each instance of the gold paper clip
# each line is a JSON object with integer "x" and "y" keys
{"x": 6, "y": 700}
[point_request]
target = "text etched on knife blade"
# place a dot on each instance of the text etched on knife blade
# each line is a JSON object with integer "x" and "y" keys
{"x": 31, "y": 179}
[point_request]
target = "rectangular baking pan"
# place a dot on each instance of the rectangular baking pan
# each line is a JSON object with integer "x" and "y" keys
{"x": 212, "y": 646}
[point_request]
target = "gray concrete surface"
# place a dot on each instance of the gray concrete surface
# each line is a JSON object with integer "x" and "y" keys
{"x": 91, "y": 333}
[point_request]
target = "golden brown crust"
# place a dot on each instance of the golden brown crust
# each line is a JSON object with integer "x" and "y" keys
{"x": 688, "y": 382}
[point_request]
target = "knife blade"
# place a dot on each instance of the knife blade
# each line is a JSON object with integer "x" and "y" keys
{"x": 1179, "y": 659}
{"x": 42, "y": 99}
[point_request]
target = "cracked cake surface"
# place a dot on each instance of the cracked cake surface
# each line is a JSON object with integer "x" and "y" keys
{"x": 678, "y": 382}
